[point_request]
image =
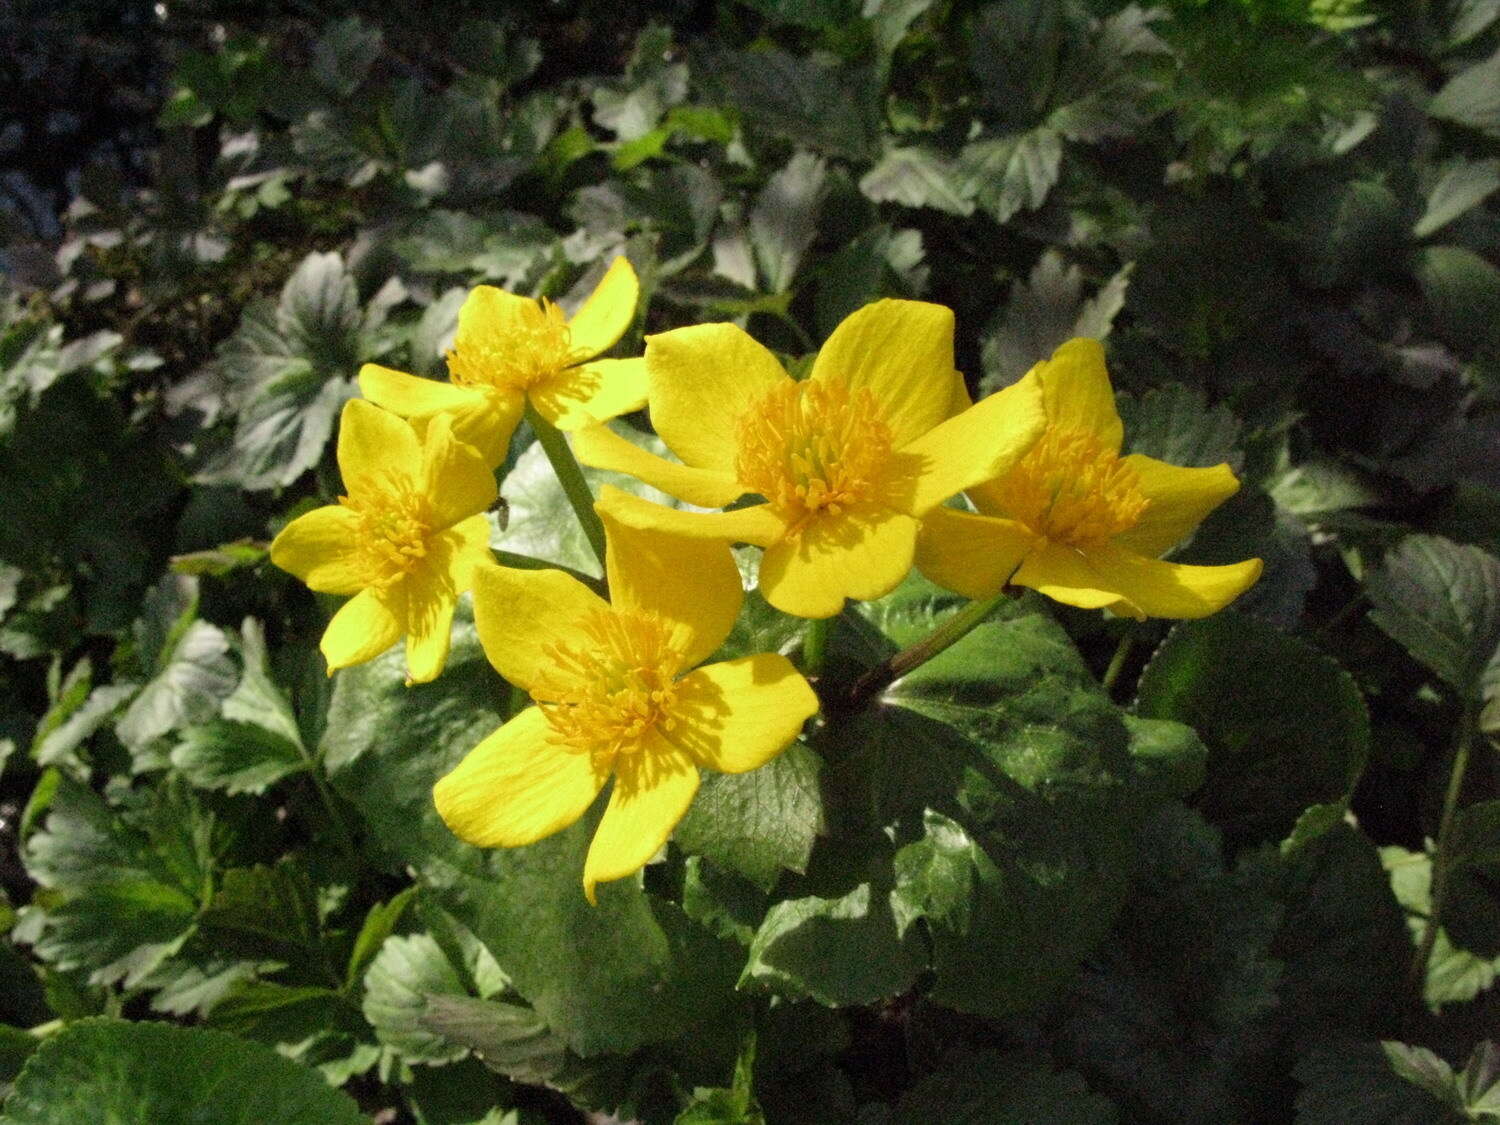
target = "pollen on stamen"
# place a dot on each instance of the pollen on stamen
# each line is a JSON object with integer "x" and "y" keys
{"x": 607, "y": 695}
{"x": 516, "y": 351}
{"x": 812, "y": 448}
{"x": 1072, "y": 489}
{"x": 394, "y": 526}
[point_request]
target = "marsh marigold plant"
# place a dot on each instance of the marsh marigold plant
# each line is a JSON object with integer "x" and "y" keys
{"x": 1079, "y": 522}
{"x": 405, "y": 541}
{"x": 511, "y": 351}
{"x": 618, "y": 694}
{"x": 846, "y": 462}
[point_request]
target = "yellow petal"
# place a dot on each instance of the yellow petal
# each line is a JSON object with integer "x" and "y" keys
{"x": 862, "y": 553}
{"x": 1134, "y": 585}
{"x": 980, "y": 444}
{"x": 595, "y": 392}
{"x": 692, "y": 584}
{"x": 902, "y": 351}
{"x": 756, "y": 524}
{"x": 602, "y": 448}
{"x": 702, "y": 379}
{"x": 1076, "y": 391}
{"x": 429, "y": 629}
{"x": 465, "y": 550}
{"x": 457, "y": 482}
{"x": 409, "y": 395}
{"x": 739, "y": 714}
{"x": 376, "y": 446}
{"x": 1178, "y": 501}
{"x": 653, "y": 788}
{"x": 319, "y": 547}
{"x": 517, "y": 786}
{"x": 489, "y": 315}
{"x": 602, "y": 319}
{"x": 972, "y": 555}
{"x": 364, "y": 627}
{"x": 519, "y": 612}
{"x": 489, "y": 423}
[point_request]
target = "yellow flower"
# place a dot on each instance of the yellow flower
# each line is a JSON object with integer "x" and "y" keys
{"x": 1083, "y": 524}
{"x": 847, "y": 462}
{"x": 405, "y": 542}
{"x": 615, "y": 694}
{"x": 510, "y": 350}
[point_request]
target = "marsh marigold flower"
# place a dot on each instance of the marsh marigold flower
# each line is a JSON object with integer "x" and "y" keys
{"x": 510, "y": 350}
{"x": 1080, "y": 523}
{"x": 405, "y": 541}
{"x": 616, "y": 693}
{"x": 847, "y": 461}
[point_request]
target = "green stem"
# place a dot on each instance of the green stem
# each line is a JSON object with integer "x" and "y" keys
{"x": 1441, "y": 858}
{"x": 570, "y": 476}
{"x": 1117, "y": 662}
{"x": 949, "y": 633}
{"x": 815, "y": 646}
{"x": 341, "y": 830}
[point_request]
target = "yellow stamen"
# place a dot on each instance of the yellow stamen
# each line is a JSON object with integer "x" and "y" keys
{"x": 394, "y": 525}
{"x": 518, "y": 351}
{"x": 607, "y": 697}
{"x": 812, "y": 447}
{"x": 1073, "y": 490}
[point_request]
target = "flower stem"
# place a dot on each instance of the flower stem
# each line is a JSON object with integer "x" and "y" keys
{"x": 950, "y": 632}
{"x": 1441, "y": 858}
{"x": 1117, "y": 663}
{"x": 570, "y": 476}
{"x": 815, "y": 645}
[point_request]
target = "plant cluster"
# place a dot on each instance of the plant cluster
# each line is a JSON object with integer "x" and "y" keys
{"x": 308, "y": 319}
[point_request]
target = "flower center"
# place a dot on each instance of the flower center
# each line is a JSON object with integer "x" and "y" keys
{"x": 515, "y": 352}
{"x": 1072, "y": 490}
{"x": 610, "y": 694}
{"x": 812, "y": 447}
{"x": 394, "y": 524}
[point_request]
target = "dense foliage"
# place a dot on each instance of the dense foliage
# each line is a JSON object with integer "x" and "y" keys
{"x": 1076, "y": 869}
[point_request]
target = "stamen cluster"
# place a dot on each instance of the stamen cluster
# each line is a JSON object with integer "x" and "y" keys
{"x": 607, "y": 696}
{"x": 519, "y": 356}
{"x": 394, "y": 525}
{"x": 1072, "y": 489}
{"x": 812, "y": 447}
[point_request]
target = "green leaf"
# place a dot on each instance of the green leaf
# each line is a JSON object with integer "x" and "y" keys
{"x": 784, "y": 220}
{"x": 916, "y": 176}
{"x": 1004, "y": 175}
{"x": 267, "y": 913}
{"x": 379, "y": 924}
{"x": 629, "y": 971}
{"x": 838, "y": 947}
{"x": 757, "y": 823}
{"x": 805, "y": 13}
{"x": 122, "y": 888}
{"x": 318, "y": 313}
{"x": 828, "y": 109}
{"x": 406, "y": 975}
{"x": 989, "y": 1088}
{"x": 1472, "y": 97}
{"x": 1441, "y": 601}
{"x": 1471, "y": 908}
{"x": 1009, "y": 738}
{"x": 1015, "y": 53}
{"x": 186, "y": 690}
{"x": 1463, "y": 290}
{"x": 235, "y": 757}
{"x": 1355, "y": 1083}
{"x": 156, "y": 1074}
{"x": 1454, "y": 975}
{"x": 510, "y": 1038}
{"x": 878, "y": 262}
{"x": 1043, "y": 312}
{"x": 1285, "y": 726}
{"x": 343, "y": 54}
{"x": 1463, "y": 185}
{"x": 283, "y": 431}
{"x": 1175, "y": 424}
